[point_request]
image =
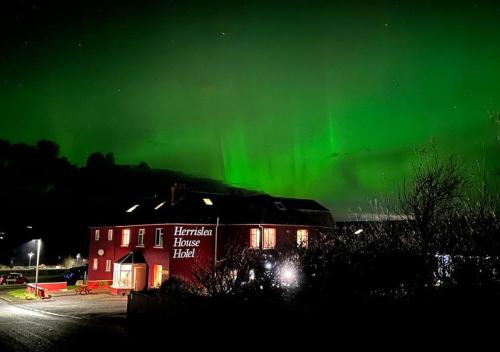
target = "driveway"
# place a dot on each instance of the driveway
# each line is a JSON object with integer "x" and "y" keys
{"x": 66, "y": 323}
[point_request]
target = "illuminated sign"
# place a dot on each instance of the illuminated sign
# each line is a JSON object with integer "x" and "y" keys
{"x": 183, "y": 247}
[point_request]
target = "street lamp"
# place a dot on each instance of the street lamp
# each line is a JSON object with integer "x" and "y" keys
{"x": 39, "y": 242}
{"x": 30, "y": 254}
{"x": 78, "y": 256}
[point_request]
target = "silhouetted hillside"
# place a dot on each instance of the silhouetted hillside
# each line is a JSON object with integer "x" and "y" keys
{"x": 59, "y": 200}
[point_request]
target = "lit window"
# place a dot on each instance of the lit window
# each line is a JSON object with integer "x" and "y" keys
{"x": 269, "y": 240}
{"x": 159, "y": 205}
{"x": 125, "y": 237}
{"x": 207, "y": 201}
{"x": 302, "y": 238}
{"x": 255, "y": 238}
{"x": 108, "y": 265}
{"x": 140, "y": 238}
{"x": 131, "y": 209}
{"x": 95, "y": 264}
{"x": 158, "y": 275}
{"x": 97, "y": 233}
{"x": 122, "y": 275}
{"x": 110, "y": 235}
{"x": 159, "y": 237}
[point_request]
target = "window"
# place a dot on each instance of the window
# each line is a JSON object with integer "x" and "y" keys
{"x": 95, "y": 264}
{"x": 96, "y": 234}
{"x": 140, "y": 238}
{"x": 280, "y": 206}
{"x": 159, "y": 237}
{"x": 122, "y": 275}
{"x": 110, "y": 235}
{"x": 158, "y": 275}
{"x": 302, "y": 238}
{"x": 255, "y": 238}
{"x": 160, "y": 205}
{"x": 132, "y": 208}
{"x": 108, "y": 265}
{"x": 269, "y": 238}
{"x": 207, "y": 201}
{"x": 125, "y": 237}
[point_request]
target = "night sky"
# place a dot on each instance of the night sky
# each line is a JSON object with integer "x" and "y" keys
{"x": 315, "y": 99}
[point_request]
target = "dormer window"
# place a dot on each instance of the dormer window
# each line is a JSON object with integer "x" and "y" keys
{"x": 132, "y": 208}
{"x": 160, "y": 205}
{"x": 208, "y": 201}
{"x": 280, "y": 206}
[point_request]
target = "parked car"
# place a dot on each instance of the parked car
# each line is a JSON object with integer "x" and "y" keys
{"x": 74, "y": 274}
{"x": 13, "y": 279}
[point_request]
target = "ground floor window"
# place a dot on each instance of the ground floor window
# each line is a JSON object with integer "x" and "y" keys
{"x": 95, "y": 263}
{"x": 269, "y": 238}
{"x": 255, "y": 238}
{"x": 122, "y": 275}
{"x": 108, "y": 265}
{"x": 158, "y": 275}
{"x": 302, "y": 238}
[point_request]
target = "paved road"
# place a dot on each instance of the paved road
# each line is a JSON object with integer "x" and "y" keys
{"x": 64, "y": 324}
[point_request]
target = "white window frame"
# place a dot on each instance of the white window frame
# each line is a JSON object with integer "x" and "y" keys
{"x": 97, "y": 234}
{"x": 95, "y": 264}
{"x": 269, "y": 232}
{"x": 122, "y": 242}
{"x": 140, "y": 235}
{"x": 110, "y": 235}
{"x": 159, "y": 237}
{"x": 108, "y": 265}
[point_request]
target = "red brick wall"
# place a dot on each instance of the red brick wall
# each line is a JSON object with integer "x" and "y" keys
{"x": 286, "y": 235}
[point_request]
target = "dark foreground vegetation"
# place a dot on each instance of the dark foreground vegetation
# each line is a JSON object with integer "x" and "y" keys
{"x": 438, "y": 263}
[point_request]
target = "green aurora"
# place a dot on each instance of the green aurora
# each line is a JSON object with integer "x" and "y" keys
{"x": 326, "y": 100}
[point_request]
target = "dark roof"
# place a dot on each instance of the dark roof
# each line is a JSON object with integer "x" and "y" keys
{"x": 192, "y": 207}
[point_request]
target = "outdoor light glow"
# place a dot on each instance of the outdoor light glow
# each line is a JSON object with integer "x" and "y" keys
{"x": 288, "y": 274}
{"x": 132, "y": 208}
{"x": 268, "y": 265}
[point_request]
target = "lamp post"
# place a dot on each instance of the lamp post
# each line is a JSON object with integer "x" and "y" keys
{"x": 39, "y": 241}
{"x": 30, "y": 254}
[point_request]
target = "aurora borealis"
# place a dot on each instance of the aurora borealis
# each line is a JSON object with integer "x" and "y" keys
{"x": 321, "y": 99}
